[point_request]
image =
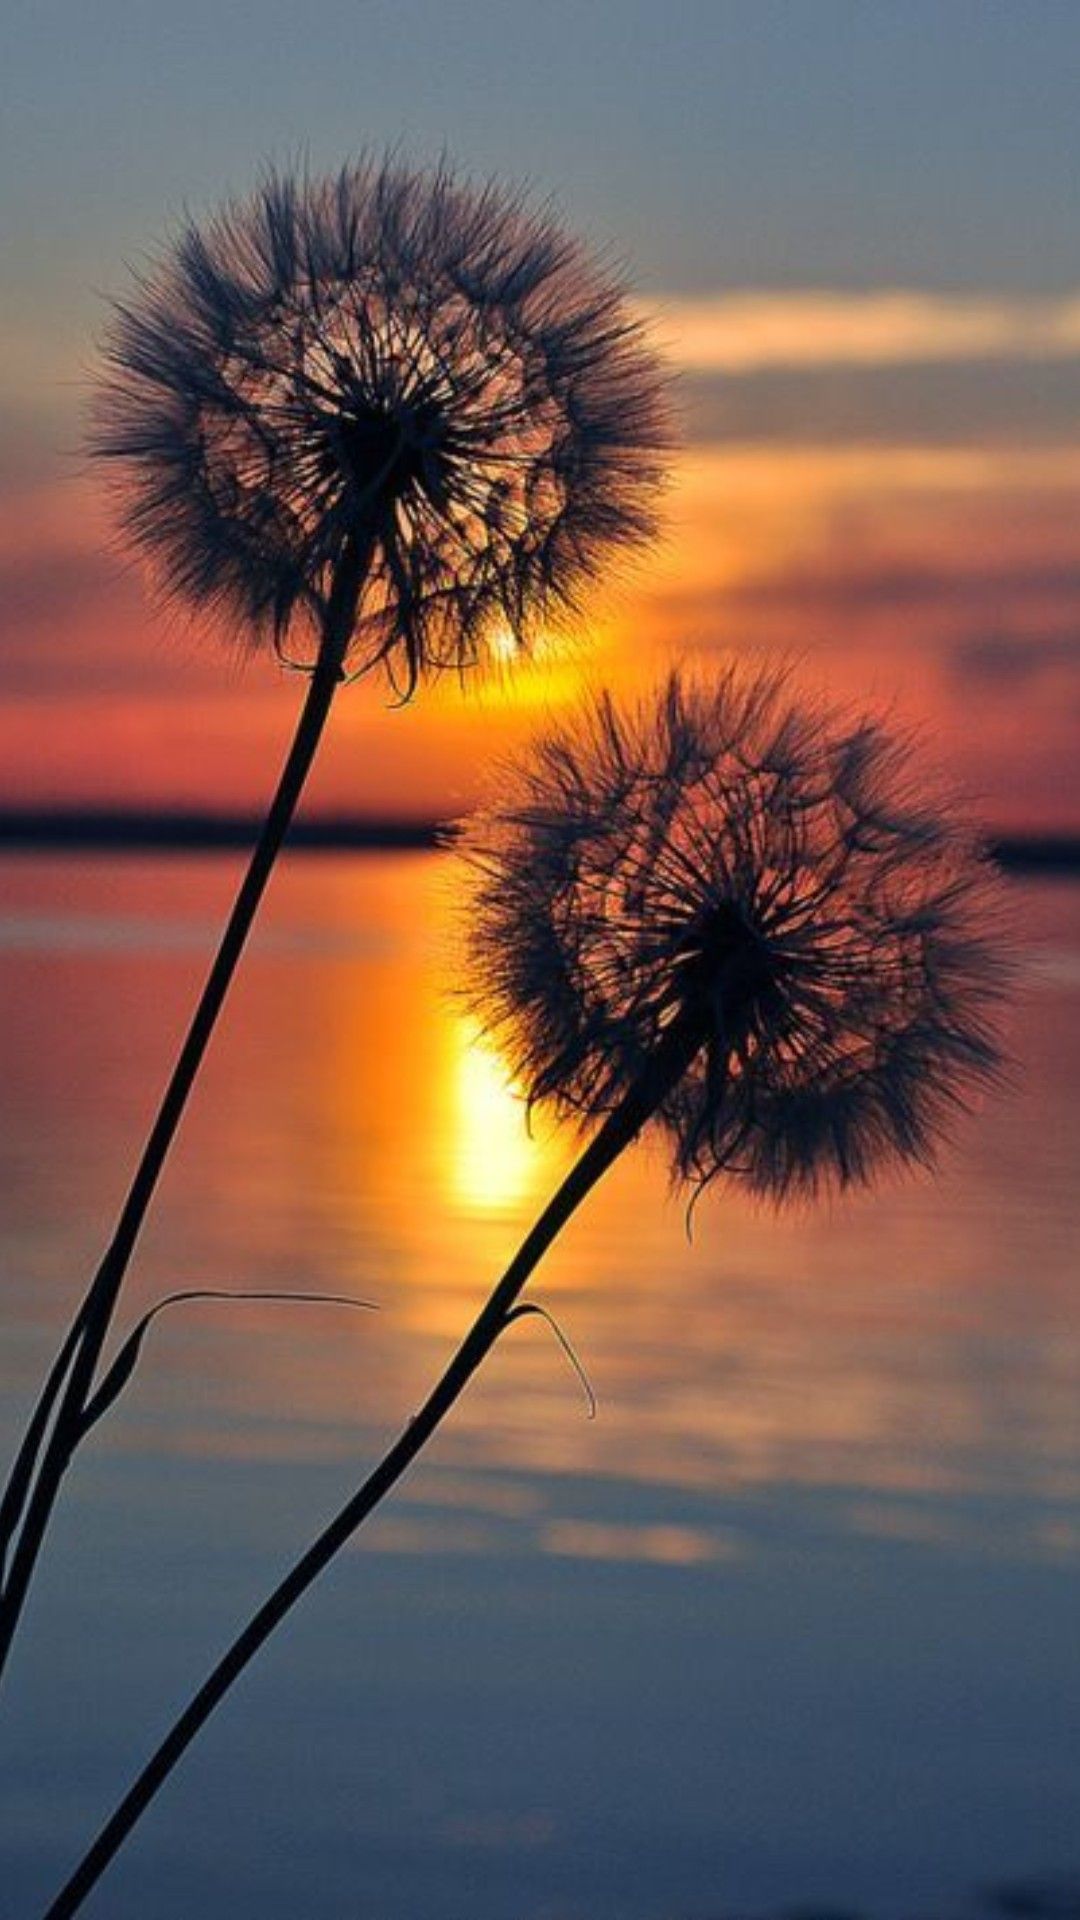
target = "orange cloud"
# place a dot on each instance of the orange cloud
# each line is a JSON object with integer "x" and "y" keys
{"x": 941, "y": 578}
{"x": 748, "y": 332}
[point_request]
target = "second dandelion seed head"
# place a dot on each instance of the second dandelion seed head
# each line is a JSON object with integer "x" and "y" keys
{"x": 732, "y": 861}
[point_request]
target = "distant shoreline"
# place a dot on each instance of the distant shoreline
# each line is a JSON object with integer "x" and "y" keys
{"x": 116, "y": 830}
{"x": 106, "y": 830}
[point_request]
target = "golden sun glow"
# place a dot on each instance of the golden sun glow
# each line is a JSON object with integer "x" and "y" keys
{"x": 503, "y": 646}
{"x": 545, "y": 672}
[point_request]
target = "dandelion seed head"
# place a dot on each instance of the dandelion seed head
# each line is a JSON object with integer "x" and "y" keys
{"x": 391, "y": 358}
{"x": 725, "y": 855}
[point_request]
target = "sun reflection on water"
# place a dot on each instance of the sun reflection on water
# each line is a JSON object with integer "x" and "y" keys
{"x": 495, "y": 1165}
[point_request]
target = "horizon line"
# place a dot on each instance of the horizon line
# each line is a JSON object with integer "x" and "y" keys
{"x": 119, "y": 829}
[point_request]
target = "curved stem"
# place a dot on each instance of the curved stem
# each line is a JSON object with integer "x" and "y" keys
{"x": 41, "y": 1464}
{"x": 667, "y": 1066}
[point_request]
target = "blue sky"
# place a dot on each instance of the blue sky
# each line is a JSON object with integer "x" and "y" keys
{"x": 768, "y": 142}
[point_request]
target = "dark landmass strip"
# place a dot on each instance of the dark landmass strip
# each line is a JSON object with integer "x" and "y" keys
{"x": 116, "y": 831}
{"x": 113, "y": 830}
{"x": 1037, "y": 852}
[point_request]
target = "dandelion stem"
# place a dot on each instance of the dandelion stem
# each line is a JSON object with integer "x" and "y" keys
{"x": 42, "y": 1461}
{"x": 673, "y": 1055}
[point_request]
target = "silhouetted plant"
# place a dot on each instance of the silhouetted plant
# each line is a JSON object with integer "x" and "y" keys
{"x": 369, "y": 417}
{"x": 775, "y": 887}
{"x": 391, "y": 364}
{"x": 725, "y": 913}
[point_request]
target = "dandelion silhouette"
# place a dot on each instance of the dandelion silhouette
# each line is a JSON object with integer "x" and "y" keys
{"x": 729, "y": 879}
{"x": 368, "y": 418}
{"x": 389, "y": 375}
{"x": 725, "y": 914}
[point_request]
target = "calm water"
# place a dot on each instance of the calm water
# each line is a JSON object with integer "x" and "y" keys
{"x": 793, "y": 1620}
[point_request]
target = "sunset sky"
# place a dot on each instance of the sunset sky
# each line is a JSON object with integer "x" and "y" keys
{"x": 853, "y": 228}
